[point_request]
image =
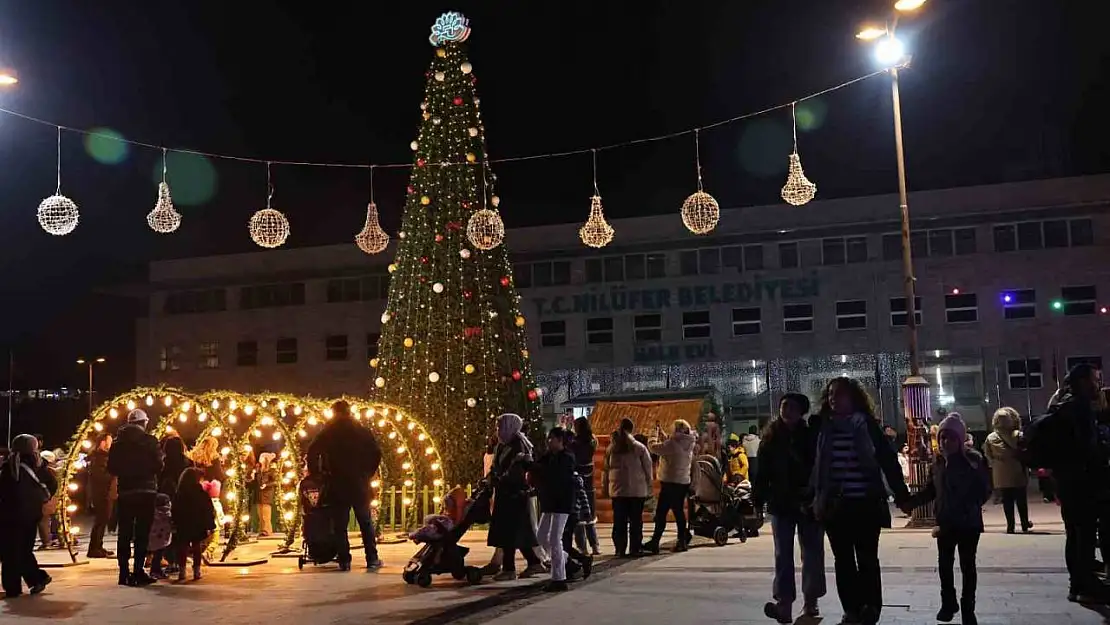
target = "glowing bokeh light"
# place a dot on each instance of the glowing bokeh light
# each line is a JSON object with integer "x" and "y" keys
{"x": 192, "y": 176}
{"x": 106, "y": 146}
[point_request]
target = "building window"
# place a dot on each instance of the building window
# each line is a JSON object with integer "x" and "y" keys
{"x": 1019, "y": 304}
{"x": 614, "y": 269}
{"x": 1030, "y": 236}
{"x": 522, "y": 275}
{"x": 656, "y": 266}
{"x": 898, "y": 315}
{"x": 273, "y": 295}
{"x": 209, "y": 355}
{"x": 1094, "y": 361}
{"x": 688, "y": 263}
{"x": 1082, "y": 232}
{"x": 599, "y": 331}
{"x": 709, "y": 261}
{"x": 170, "y": 358}
{"x": 851, "y": 315}
{"x": 857, "y": 249}
{"x": 919, "y": 244}
{"x": 364, "y": 289}
{"x": 695, "y": 324}
{"x": 961, "y": 307}
{"x": 246, "y": 354}
{"x": 335, "y": 347}
{"x": 1024, "y": 373}
{"x": 965, "y": 241}
{"x": 648, "y": 328}
{"x": 732, "y": 257}
{"x": 553, "y": 333}
{"x": 788, "y": 255}
{"x": 832, "y": 251}
{"x": 634, "y": 267}
{"x": 1056, "y": 233}
{"x": 541, "y": 274}
{"x": 797, "y": 318}
{"x": 202, "y": 301}
{"x": 1005, "y": 238}
{"x": 753, "y": 257}
{"x": 747, "y": 321}
{"x": 560, "y": 272}
{"x": 1079, "y": 300}
{"x": 892, "y": 246}
{"x": 593, "y": 270}
{"x": 372, "y": 344}
{"x": 940, "y": 243}
{"x": 286, "y": 350}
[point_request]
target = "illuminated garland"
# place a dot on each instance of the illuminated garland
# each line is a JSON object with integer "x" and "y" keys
{"x": 409, "y": 454}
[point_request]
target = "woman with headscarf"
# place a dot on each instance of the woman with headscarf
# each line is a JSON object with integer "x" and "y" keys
{"x": 25, "y": 486}
{"x": 1008, "y": 474}
{"x": 510, "y": 527}
{"x": 583, "y": 446}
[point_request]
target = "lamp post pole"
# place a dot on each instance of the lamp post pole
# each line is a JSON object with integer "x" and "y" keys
{"x": 90, "y": 362}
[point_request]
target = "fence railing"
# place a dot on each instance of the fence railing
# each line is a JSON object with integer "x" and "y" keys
{"x": 402, "y": 509}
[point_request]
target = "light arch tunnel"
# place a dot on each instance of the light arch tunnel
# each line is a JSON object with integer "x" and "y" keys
{"x": 279, "y": 423}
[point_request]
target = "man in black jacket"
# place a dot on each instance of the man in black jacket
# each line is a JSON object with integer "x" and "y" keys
{"x": 347, "y": 455}
{"x": 786, "y": 454}
{"x": 135, "y": 460}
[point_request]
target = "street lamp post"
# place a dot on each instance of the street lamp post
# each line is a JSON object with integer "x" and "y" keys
{"x": 90, "y": 362}
{"x": 915, "y": 388}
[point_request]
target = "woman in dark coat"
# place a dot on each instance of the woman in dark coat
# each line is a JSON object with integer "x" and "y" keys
{"x": 194, "y": 518}
{"x": 100, "y": 495}
{"x": 583, "y": 447}
{"x": 25, "y": 485}
{"x": 510, "y": 527}
{"x": 176, "y": 461}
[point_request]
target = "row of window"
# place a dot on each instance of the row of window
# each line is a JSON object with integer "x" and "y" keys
{"x": 364, "y": 289}
{"x": 1026, "y": 373}
{"x": 286, "y": 351}
{"x": 367, "y": 288}
{"x": 798, "y": 317}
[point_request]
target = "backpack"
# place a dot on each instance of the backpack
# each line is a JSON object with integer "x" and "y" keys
{"x": 1038, "y": 447}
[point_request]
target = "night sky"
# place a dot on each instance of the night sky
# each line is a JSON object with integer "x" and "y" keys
{"x": 999, "y": 90}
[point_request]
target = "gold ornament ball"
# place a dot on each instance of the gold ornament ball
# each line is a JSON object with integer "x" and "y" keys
{"x": 471, "y": 402}
{"x": 470, "y": 157}
{"x": 374, "y": 363}
{"x": 379, "y": 382}
{"x": 519, "y": 321}
{"x": 469, "y": 369}
{"x": 393, "y": 266}
{"x": 386, "y": 317}
{"x": 472, "y": 131}
{"x": 440, "y": 52}
{"x": 433, "y": 377}
{"x": 425, "y": 200}
{"x": 408, "y": 341}
{"x": 466, "y": 67}
{"x": 524, "y": 353}
{"x": 700, "y": 213}
{"x": 426, "y": 115}
{"x": 440, "y": 76}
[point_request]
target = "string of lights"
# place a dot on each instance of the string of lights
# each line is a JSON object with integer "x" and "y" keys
{"x": 510, "y": 159}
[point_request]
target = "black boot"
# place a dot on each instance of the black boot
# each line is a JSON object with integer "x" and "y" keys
{"x": 948, "y": 608}
{"x": 967, "y": 613}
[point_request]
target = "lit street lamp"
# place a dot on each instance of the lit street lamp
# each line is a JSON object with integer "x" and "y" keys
{"x": 891, "y": 53}
{"x": 90, "y": 362}
{"x": 7, "y": 77}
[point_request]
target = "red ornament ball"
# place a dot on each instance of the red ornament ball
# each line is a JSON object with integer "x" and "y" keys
{"x": 504, "y": 280}
{"x": 458, "y": 100}
{"x": 468, "y": 294}
{"x": 423, "y": 279}
{"x": 516, "y": 375}
{"x": 424, "y": 259}
{"x": 533, "y": 395}
{"x": 411, "y": 189}
{"x": 419, "y": 162}
{"x": 439, "y": 238}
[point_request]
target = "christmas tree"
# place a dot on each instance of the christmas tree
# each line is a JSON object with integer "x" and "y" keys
{"x": 453, "y": 348}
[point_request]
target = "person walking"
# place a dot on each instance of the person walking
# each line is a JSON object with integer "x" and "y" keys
{"x": 960, "y": 484}
{"x": 100, "y": 496}
{"x": 136, "y": 461}
{"x": 1007, "y": 471}
{"x": 510, "y": 527}
{"x": 26, "y": 486}
{"x": 676, "y": 454}
{"x": 849, "y": 497}
{"x": 194, "y": 520}
{"x": 751, "y": 443}
{"x": 347, "y": 455}
{"x": 266, "y": 479}
{"x": 583, "y": 446}
{"x": 788, "y": 449}
{"x": 555, "y": 477}
{"x": 628, "y": 477}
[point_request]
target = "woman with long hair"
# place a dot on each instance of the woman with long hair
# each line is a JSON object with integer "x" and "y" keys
{"x": 206, "y": 456}
{"x": 676, "y": 456}
{"x": 1008, "y": 475}
{"x": 627, "y": 480}
{"x": 583, "y": 447}
{"x": 849, "y": 497}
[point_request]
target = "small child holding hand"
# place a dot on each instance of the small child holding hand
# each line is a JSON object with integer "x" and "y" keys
{"x": 960, "y": 485}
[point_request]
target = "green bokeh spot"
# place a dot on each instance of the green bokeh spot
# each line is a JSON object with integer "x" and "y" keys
{"x": 106, "y": 146}
{"x": 811, "y": 114}
{"x": 192, "y": 178}
{"x": 764, "y": 147}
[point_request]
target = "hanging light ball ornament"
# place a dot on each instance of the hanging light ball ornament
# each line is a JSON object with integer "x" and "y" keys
{"x": 379, "y": 382}
{"x": 433, "y": 377}
{"x": 58, "y": 215}
{"x": 485, "y": 229}
{"x": 164, "y": 219}
{"x": 700, "y": 213}
{"x": 466, "y": 67}
{"x": 596, "y": 232}
{"x": 372, "y": 239}
{"x": 438, "y": 287}
{"x": 269, "y": 228}
{"x": 798, "y": 189}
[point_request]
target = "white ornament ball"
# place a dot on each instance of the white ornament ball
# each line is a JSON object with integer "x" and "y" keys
{"x": 269, "y": 228}
{"x": 466, "y": 67}
{"x": 465, "y": 253}
{"x": 386, "y": 317}
{"x": 379, "y": 382}
{"x": 472, "y": 131}
{"x": 471, "y": 402}
{"x": 438, "y": 287}
{"x": 440, "y": 76}
{"x": 414, "y": 145}
{"x": 436, "y": 120}
{"x": 496, "y": 201}
{"x": 401, "y": 234}
{"x": 423, "y": 106}
{"x": 433, "y": 377}
{"x": 58, "y": 215}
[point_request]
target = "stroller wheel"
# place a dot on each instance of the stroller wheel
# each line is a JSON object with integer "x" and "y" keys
{"x": 458, "y": 574}
{"x": 300, "y": 563}
{"x": 409, "y": 577}
{"x": 743, "y": 536}
{"x": 423, "y": 580}
{"x": 473, "y": 576}
{"x": 720, "y": 536}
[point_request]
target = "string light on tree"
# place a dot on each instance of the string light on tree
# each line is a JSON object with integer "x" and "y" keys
{"x": 269, "y": 228}
{"x": 798, "y": 189}
{"x": 164, "y": 219}
{"x": 700, "y": 212}
{"x": 57, "y": 214}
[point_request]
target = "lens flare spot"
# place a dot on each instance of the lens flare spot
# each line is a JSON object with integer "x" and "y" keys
{"x": 106, "y": 146}
{"x": 191, "y": 176}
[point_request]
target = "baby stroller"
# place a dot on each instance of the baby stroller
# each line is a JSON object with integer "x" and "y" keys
{"x": 318, "y": 542}
{"x": 441, "y": 552}
{"x": 714, "y": 507}
{"x": 751, "y": 519}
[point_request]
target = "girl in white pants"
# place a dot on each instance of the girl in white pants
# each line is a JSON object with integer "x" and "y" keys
{"x": 556, "y": 487}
